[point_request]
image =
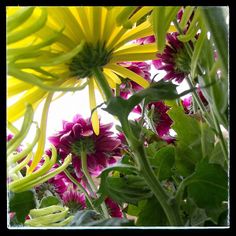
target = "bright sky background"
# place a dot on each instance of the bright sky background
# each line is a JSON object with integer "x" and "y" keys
{"x": 76, "y": 103}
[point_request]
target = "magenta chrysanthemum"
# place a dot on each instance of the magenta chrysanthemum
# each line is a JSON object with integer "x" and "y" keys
{"x": 74, "y": 199}
{"x": 160, "y": 118}
{"x": 140, "y": 68}
{"x": 100, "y": 150}
{"x": 187, "y": 102}
{"x": 174, "y": 60}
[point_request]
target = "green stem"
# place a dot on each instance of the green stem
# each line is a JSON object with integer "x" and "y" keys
{"x": 169, "y": 206}
{"x": 102, "y": 82}
{"x": 90, "y": 180}
{"x": 215, "y": 125}
{"x": 73, "y": 180}
{"x": 220, "y": 135}
{"x": 189, "y": 81}
{"x": 199, "y": 103}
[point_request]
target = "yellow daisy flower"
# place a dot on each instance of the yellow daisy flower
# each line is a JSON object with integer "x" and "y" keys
{"x": 59, "y": 49}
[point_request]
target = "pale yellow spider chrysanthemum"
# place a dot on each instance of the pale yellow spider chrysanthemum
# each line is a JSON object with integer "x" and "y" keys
{"x": 56, "y": 49}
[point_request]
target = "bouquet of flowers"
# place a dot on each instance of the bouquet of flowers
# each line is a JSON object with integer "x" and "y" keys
{"x": 165, "y": 160}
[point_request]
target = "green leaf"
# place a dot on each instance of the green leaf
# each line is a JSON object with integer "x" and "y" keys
{"x": 129, "y": 189}
{"x": 153, "y": 147}
{"x": 195, "y": 216}
{"x": 161, "y": 20}
{"x": 218, "y": 215}
{"x": 216, "y": 156}
{"x": 156, "y": 92}
{"x": 183, "y": 124}
{"x": 197, "y": 52}
{"x": 192, "y": 29}
{"x": 188, "y": 143}
{"x": 21, "y": 204}
{"x": 215, "y": 21}
{"x": 122, "y": 168}
{"x": 135, "y": 210}
{"x": 216, "y": 95}
{"x": 194, "y": 140}
{"x": 208, "y": 185}
{"x": 165, "y": 159}
{"x": 49, "y": 201}
{"x": 185, "y": 17}
{"x": 152, "y": 214}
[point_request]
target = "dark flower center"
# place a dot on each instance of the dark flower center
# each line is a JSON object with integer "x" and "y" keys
{"x": 182, "y": 61}
{"x": 90, "y": 57}
{"x": 86, "y": 144}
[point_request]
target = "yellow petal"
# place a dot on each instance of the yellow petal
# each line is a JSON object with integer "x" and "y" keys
{"x": 135, "y": 53}
{"x": 34, "y": 96}
{"x": 140, "y": 13}
{"x": 143, "y": 30}
{"x": 108, "y": 73}
{"x": 42, "y": 138}
{"x": 126, "y": 73}
{"x": 15, "y": 86}
{"x": 92, "y": 101}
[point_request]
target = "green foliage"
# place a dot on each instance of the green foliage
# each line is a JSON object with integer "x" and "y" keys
{"x": 194, "y": 140}
{"x": 194, "y": 215}
{"x": 128, "y": 186}
{"x": 152, "y": 214}
{"x": 185, "y": 17}
{"x": 164, "y": 160}
{"x": 49, "y": 201}
{"x": 157, "y": 91}
{"x": 192, "y": 29}
{"x": 216, "y": 156}
{"x": 208, "y": 185}
{"x": 21, "y": 204}
{"x": 215, "y": 22}
{"x": 134, "y": 210}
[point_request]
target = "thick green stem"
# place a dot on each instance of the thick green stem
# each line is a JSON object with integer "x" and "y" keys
{"x": 90, "y": 180}
{"x": 102, "y": 82}
{"x": 169, "y": 205}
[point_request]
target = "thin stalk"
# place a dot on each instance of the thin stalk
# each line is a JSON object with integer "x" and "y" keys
{"x": 199, "y": 103}
{"x": 169, "y": 206}
{"x": 220, "y": 136}
{"x": 73, "y": 180}
{"x": 90, "y": 180}
{"x": 208, "y": 119}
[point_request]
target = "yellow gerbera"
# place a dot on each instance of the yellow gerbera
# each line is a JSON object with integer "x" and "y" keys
{"x": 59, "y": 49}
